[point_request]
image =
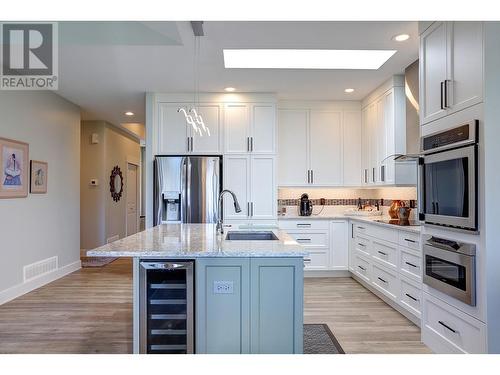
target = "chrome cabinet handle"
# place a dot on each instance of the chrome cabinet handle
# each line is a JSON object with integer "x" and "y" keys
{"x": 361, "y": 244}
{"x": 362, "y": 268}
{"x": 192, "y": 144}
{"x": 303, "y": 225}
{"x": 308, "y": 176}
{"x": 382, "y": 173}
{"x": 303, "y": 240}
{"x": 382, "y": 280}
{"x": 251, "y": 207}
{"x": 312, "y": 176}
{"x": 248, "y": 144}
{"x": 362, "y": 228}
{"x": 382, "y": 253}
{"x": 188, "y": 144}
{"x": 251, "y": 144}
{"x": 411, "y": 297}
{"x": 307, "y": 260}
{"x": 408, "y": 240}
{"x": 447, "y": 326}
{"x": 373, "y": 174}
{"x": 411, "y": 264}
{"x": 248, "y": 209}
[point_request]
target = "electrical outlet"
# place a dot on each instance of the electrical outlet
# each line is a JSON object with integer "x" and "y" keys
{"x": 223, "y": 287}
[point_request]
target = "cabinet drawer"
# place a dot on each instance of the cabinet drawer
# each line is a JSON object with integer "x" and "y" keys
{"x": 317, "y": 260}
{"x": 362, "y": 268}
{"x": 411, "y": 296}
{"x": 385, "y": 253}
{"x": 376, "y": 231}
{"x": 411, "y": 240}
{"x": 362, "y": 245}
{"x": 410, "y": 264}
{"x": 385, "y": 281}
{"x": 449, "y": 330}
{"x": 304, "y": 224}
{"x": 307, "y": 238}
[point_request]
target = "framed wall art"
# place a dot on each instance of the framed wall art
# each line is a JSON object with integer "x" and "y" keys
{"x": 39, "y": 176}
{"x": 14, "y": 168}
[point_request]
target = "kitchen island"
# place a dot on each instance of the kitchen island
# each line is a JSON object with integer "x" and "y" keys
{"x": 211, "y": 294}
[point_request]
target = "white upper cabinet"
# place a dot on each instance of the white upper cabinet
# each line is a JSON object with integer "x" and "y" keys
{"x": 175, "y": 136}
{"x": 293, "y": 149}
{"x": 319, "y": 147}
{"x": 384, "y": 136}
{"x": 352, "y": 148}
{"x": 326, "y": 140}
{"x": 206, "y": 143}
{"x": 237, "y": 128}
{"x": 250, "y": 128}
{"x": 466, "y": 64}
{"x": 451, "y": 68}
{"x": 263, "y": 134}
{"x": 173, "y": 133}
{"x": 433, "y": 60}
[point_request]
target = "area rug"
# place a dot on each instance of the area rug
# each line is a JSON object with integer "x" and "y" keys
{"x": 96, "y": 261}
{"x": 318, "y": 339}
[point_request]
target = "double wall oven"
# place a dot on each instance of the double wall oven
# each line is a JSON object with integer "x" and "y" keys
{"x": 448, "y": 178}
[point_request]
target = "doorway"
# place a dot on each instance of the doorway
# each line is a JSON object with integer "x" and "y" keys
{"x": 132, "y": 193}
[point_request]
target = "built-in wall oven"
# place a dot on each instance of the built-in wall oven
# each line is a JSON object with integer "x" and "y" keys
{"x": 448, "y": 177}
{"x": 449, "y": 266}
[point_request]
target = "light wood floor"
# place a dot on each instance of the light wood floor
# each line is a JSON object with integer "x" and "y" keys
{"x": 90, "y": 311}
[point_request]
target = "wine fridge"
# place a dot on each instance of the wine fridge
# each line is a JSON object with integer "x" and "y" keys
{"x": 166, "y": 311}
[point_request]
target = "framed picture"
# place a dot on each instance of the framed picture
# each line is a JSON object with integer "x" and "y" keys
{"x": 14, "y": 168}
{"x": 38, "y": 181}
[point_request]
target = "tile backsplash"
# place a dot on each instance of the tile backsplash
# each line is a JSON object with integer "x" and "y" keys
{"x": 348, "y": 197}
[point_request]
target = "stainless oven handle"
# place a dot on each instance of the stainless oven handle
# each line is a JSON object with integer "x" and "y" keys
{"x": 420, "y": 187}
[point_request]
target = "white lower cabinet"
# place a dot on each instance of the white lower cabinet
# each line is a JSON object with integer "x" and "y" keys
{"x": 411, "y": 296}
{"x": 380, "y": 257}
{"x": 327, "y": 242}
{"x": 446, "y": 329}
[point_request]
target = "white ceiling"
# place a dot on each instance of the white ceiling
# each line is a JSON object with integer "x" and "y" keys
{"x": 106, "y": 68}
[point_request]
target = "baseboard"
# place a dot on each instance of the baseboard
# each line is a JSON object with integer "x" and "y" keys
{"x": 414, "y": 319}
{"x": 327, "y": 273}
{"x": 23, "y": 288}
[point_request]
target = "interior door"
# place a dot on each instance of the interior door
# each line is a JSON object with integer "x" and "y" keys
{"x": 236, "y": 179}
{"x": 132, "y": 199}
{"x": 293, "y": 148}
{"x": 433, "y": 71}
{"x": 263, "y": 188}
{"x": 207, "y": 143}
{"x": 326, "y": 147}
{"x": 173, "y": 132}
{"x": 236, "y": 128}
{"x": 263, "y": 128}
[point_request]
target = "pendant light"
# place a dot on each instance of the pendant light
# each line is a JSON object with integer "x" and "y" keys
{"x": 193, "y": 116}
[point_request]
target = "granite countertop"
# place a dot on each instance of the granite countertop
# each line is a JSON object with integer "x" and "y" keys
{"x": 196, "y": 240}
{"x": 365, "y": 219}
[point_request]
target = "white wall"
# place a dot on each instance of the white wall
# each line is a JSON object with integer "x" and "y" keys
{"x": 42, "y": 225}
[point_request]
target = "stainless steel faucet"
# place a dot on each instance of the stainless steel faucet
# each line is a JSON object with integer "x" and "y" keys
{"x": 219, "y": 228}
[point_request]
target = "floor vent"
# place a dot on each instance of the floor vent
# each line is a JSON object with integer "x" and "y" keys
{"x": 113, "y": 239}
{"x": 40, "y": 268}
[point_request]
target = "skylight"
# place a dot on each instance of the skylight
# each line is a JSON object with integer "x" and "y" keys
{"x": 305, "y": 58}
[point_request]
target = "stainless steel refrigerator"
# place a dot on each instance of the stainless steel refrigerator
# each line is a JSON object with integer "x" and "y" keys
{"x": 186, "y": 189}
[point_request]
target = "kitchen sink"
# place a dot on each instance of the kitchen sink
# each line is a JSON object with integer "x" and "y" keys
{"x": 251, "y": 236}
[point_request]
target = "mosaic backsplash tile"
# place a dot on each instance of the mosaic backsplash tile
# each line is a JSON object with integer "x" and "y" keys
{"x": 346, "y": 202}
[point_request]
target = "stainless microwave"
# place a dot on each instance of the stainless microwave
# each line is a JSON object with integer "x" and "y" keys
{"x": 450, "y": 267}
{"x": 448, "y": 175}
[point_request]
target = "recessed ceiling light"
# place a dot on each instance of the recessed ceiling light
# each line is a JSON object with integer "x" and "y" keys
{"x": 401, "y": 37}
{"x": 305, "y": 58}
{"x": 129, "y": 113}
{"x": 349, "y": 90}
{"x": 229, "y": 89}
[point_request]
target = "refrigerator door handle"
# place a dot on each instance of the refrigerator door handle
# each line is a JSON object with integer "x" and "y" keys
{"x": 184, "y": 190}
{"x": 188, "y": 191}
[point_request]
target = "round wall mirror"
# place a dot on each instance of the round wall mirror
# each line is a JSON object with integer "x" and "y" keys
{"x": 116, "y": 183}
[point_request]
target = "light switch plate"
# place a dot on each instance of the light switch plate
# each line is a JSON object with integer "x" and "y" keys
{"x": 223, "y": 287}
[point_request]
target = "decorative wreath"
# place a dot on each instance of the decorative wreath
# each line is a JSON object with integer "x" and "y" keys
{"x": 116, "y": 195}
